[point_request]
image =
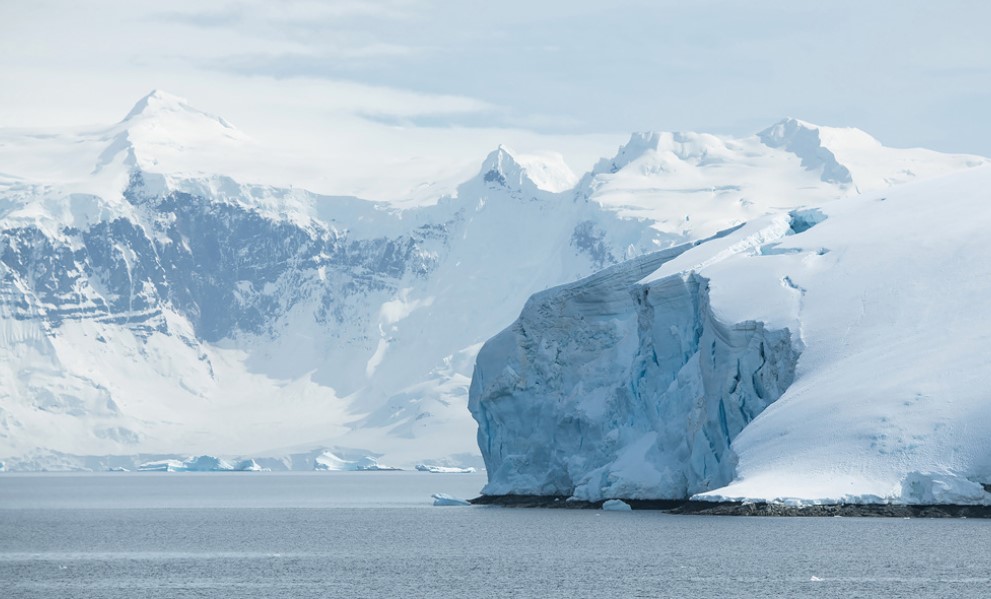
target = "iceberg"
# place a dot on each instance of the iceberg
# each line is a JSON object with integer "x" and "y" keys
{"x": 163, "y": 466}
{"x": 202, "y": 463}
{"x": 328, "y": 461}
{"x": 207, "y": 463}
{"x": 934, "y": 488}
{"x": 444, "y": 469}
{"x": 823, "y": 355}
{"x": 443, "y": 499}
{"x": 250, "y": 465}
{"x": 616, "y": 505}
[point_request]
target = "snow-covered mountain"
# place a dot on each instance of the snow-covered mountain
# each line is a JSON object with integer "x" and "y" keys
{"x": 152, "y": 303}
{"x": 830, "y": 354}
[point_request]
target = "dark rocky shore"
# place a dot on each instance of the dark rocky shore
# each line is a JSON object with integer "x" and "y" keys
{"x": 731, "y": 508}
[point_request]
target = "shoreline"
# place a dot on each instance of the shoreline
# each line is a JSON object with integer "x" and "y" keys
{"x": 733, "y": 508}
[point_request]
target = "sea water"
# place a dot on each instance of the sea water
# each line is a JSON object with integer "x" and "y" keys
{"x": 377, "y": 534}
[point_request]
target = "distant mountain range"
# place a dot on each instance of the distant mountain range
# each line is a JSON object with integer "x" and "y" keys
{"x": 149, "y": 307}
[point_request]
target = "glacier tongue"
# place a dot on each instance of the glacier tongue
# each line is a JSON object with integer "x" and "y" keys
{"x": 607, "y": 388}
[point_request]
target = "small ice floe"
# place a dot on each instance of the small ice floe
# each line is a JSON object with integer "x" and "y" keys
{"x": 163, "y": 466}
{"x": 444, "y": 469}
{"x": 444, "y": 499}
{"x": 815, "y": 579}
{"x": 207, "y": 463}
{"x": 928, "y": 488}
{"x": 616, "y": 505}
{"x": 200, "y": 463}
{"x": 328, "y": 461}
{"x": 250, "y": 465}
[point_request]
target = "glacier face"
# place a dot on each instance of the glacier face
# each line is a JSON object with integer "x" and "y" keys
{"x": 605, "y": 388}
{"x": 149, "y": 304}
{"x": 822, "y": 355}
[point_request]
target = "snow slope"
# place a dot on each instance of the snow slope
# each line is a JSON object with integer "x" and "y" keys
{"x": 830, "y": 354}
{"x": 153, "y": 300}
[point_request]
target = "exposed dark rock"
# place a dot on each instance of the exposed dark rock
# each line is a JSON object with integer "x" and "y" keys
{"x": 731, "y": 508}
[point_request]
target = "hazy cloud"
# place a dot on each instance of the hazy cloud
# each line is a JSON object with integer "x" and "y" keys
{"x": 892, "y": 68}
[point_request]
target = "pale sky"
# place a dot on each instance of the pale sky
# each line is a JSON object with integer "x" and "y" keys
{"x": 429, "y": 81}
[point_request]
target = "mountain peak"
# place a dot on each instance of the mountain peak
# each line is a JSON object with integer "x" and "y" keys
{"x": 816, "y": 146}
{"x": 787, "y": 130}
{"x": 501, "y": 169}
{"x": 158, "y": 104}
{"x": 163, "y": 132}
{"x": 526, "y": 173}
{"x": 685, "y": 146}
{"x": 155, "y": 102}
{"x": 641, "y": 142}
{"x": 788, "y": 124}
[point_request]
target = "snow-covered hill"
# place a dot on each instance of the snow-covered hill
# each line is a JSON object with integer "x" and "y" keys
{"x": 151, "y": 302}
{"x": 828, "y": 354}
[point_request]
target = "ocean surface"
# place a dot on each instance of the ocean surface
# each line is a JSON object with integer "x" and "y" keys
{"x": 377, "y": 534}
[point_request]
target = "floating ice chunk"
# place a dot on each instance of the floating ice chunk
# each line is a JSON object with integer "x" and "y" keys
{"x": 443, "y": 499}
{"x": 929, "y": 488}
{"x": 207, "y": 463}
{"x": 200, "y": 463}
{"x": 616, "y": 505}
{"x": 328, "y": 461}
{"x": 444, "y": 469}
{"x": 118, "y": 469}
{"x": 250, "y": 465}
{"x": 163, "y": 466}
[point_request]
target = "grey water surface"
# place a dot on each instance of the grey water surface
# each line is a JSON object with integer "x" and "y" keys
{"x": 376, "y": 534}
